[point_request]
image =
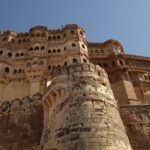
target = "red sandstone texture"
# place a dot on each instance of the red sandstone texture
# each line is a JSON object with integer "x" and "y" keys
{"x": 21, "y": 124}
{"x": 137, "y": 122}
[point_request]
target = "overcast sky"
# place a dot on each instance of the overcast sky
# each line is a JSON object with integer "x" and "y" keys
{"x": 127, "y": 21}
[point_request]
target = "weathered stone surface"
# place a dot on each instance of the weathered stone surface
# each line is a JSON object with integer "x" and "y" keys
{"x": 137, "y": 122}
{"x": 21, "y": 124}
{"x": 80, "y": 111}
{"x": 86, "y": 116}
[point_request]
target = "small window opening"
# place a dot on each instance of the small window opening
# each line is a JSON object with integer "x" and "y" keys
{"x": 73, "y": 45}
{"x": 49, "y": 51}
{"x": 7, "y": 70}
{"x": 36, "y": 48}
{"x": 54, "y": 50}
{"x": 9, "y": 54}
{"x": 58, "y": 50}
{"x": 84, "y": 60}
{"x": 74, "y": 60}
{"x": 42, "y": 47}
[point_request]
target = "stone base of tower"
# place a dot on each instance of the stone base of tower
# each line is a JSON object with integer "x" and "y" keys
{"x": 81, "y": 112}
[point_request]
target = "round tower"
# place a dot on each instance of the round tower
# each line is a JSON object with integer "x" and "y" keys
{"x": 80, "y": 111}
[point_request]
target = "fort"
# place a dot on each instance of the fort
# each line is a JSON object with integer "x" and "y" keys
{"x": 59, "y": 91}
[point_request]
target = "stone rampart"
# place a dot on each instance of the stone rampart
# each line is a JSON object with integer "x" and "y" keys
{"x": 80, "y": 111}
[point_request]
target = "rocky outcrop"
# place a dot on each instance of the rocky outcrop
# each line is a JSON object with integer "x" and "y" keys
{"x": 21, "y": 123}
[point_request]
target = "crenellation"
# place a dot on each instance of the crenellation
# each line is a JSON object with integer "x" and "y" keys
{"x": 10, "y": 106}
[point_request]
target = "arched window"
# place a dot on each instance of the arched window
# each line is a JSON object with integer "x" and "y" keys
{"x": 42, "y": 47}
{"x": 73, "y": 45}
{"x": 64, "y": 35}
{"x": 49, "y": 51}
{"x": 65, "y": 64}
{"x": 74, "y": 60}
{"x": 84, "y": 60}
{"x": 49, "y": 38}
{"x": 58, "y": 50}
{"x": 36, "y": 48}
{"x": 30, "y": 49}
{"x": 9, "y": 54}
{"x": 54, "y": 37}
{"x": 54, "y": 67}
{"x": 54, "y": 50}
{"x": 7, "y": 70}
{"x": 20, "y": 71}
{"x": 17, "y": 55}
{"x": 19, "y": 41}
{"x": 83, "y": 46}
{"x": 49, "y": 67}
{"x": 58, "y": 37}
{"x": 15, "y": 71}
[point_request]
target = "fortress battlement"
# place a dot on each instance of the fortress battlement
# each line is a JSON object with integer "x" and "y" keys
{"x": 59, "y": 91}
{"x": 19, "y": 104}
{"x": 77, "y": 68}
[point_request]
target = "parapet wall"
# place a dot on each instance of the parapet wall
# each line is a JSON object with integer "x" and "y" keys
{"x": 21, "y": 123}
{"x": 80, "y": 112}
{"x": 77, "y": 69}
{"x": 136, "y": 119}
